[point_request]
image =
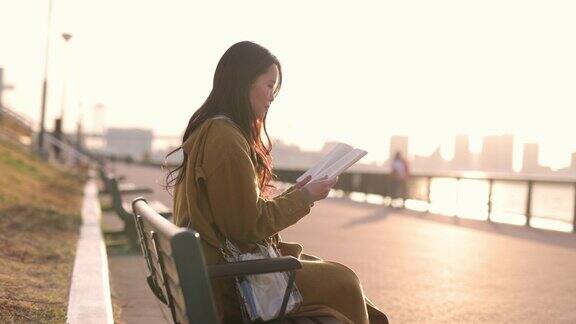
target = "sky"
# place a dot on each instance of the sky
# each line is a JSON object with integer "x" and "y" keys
{"x": 354, "y": 71}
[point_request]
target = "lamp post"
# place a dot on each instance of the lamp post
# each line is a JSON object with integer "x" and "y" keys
{"x": 59, "y": 122}
{"x": 44, "y": 84}
{"x": 66, "y": 37}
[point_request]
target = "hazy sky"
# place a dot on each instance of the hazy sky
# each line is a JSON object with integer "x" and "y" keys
{"x": 353, "y": 71}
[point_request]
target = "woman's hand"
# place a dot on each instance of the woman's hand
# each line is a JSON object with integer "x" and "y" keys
{"x": 300, "y": 184}
{"x": 318, "y": 189}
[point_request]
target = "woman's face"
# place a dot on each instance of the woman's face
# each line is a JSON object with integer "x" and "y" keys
{"x": 262, "y": 91}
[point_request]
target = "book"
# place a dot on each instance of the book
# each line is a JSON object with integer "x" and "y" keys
{"x": 338, "y": 160}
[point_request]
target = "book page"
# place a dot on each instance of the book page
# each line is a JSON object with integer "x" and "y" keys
{"x": 334, "y": 155}
{"x": 343, "y": 164}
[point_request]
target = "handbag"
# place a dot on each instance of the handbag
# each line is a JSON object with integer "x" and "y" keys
{"x": 264, "y": 296}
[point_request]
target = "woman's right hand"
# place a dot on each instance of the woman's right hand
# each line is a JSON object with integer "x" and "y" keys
{"x": 319, "y": 189}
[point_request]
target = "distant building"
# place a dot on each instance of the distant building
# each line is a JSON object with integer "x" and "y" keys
{"x": 462, "y": 156}
{"x": 434, "y": 162}
{"x": 497, "y": 153}
{"x": 290, "y": 156}
{"x": 569, "y": 171}
{"x": 530, "y": 160}
{"x": 161, "y": 156}
{"x": 129, "y": 142}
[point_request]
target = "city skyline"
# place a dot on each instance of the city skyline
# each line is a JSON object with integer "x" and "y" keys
{"x": 395, "y": 71}
{"x": 497, "y": 153}
{"x": 496, "y": 156}
{"x": 461, "y": 156}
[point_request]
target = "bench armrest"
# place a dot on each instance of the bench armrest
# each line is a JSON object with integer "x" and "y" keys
{"x": 251, "y": 267}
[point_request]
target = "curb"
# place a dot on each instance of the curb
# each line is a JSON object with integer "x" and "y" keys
{"x": 89, "y": 300}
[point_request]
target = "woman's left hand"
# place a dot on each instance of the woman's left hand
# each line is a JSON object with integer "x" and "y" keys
{"x": 301, "y": 183}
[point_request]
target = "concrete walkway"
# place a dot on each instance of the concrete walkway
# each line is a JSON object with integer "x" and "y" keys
{"x": 134, "y": 301}
{"x": 423, "y": 268}
{"x": 131, "y": 293}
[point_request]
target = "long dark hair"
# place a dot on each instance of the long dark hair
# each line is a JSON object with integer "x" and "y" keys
{"x": 237, "y": 70}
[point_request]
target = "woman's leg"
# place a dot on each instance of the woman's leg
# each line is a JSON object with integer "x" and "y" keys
{"x": 334, "y": 286}
{"x": 374, "y": 314}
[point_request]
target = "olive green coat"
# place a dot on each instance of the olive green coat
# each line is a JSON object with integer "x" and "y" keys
{"x": 219, "y": 196}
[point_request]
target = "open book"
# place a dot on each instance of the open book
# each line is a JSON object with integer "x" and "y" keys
{"x": 340, "y": 158}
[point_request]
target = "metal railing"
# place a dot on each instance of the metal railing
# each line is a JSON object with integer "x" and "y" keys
{"x": 419, "y": 186}
{"x": 16, "y": 120}
{"x": 65, "y": 153}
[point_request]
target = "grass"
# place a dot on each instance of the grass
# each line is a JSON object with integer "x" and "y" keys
{"x": 39, "y": 222}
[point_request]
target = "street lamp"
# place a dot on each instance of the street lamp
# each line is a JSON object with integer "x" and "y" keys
{"x": 59, "y": 123}
{"x": 66, "y": 37}
{"x": 45, "y": 83}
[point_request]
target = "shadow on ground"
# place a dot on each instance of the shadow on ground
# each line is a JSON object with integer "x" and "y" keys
{"x": 377, "y": 215}
{"x": 567, "y": 240}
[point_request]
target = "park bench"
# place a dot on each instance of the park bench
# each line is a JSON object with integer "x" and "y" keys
{"x": 123, "y": 210}
{"x": 124, "y": 188}
{"x": 180, "y": 278}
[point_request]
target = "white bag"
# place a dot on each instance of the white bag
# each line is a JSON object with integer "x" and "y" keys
{"x": 263, "y": 294}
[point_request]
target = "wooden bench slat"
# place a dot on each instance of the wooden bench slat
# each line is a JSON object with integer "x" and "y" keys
{"x": 162, "y": 241}
{"x": 160, "y": 280}
{"x": 169, "y": 275}
{"x": 157, "y": 270}
{"x": 161, "y": 247}
{"x": 165, "y": 245}
{"x": 169, "y": 266}
{"x": 178, "y": 298}
{"x": 170, "y": 269}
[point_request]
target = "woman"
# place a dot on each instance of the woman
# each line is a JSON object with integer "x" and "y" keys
{"x": 222, "y": 189}
{"x": 400, "y": 173}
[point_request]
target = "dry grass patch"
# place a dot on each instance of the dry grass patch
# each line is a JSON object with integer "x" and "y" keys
{"x": 39, "y": 221}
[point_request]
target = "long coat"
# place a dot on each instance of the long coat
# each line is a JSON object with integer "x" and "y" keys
{"x": 219, "y": 197}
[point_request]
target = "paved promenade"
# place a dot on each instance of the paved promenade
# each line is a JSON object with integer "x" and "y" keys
{"x": 422, "y": 268}
{"x": 134, "y": 301}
